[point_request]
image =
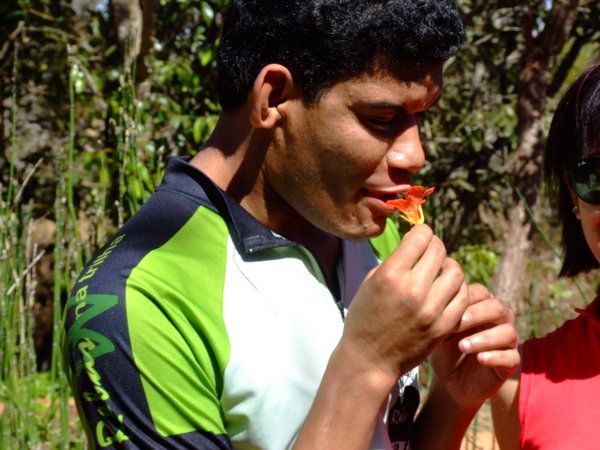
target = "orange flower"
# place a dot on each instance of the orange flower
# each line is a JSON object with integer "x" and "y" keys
{"x": 410, "y": 206}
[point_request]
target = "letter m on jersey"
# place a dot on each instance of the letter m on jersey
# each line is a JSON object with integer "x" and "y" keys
{"x": 95, "y": 305}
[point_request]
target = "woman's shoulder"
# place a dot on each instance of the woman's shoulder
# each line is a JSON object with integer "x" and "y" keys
{"x": 572, "y": 351}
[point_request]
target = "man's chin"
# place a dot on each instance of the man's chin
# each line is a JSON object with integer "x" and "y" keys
{"x": 365, "y": 231}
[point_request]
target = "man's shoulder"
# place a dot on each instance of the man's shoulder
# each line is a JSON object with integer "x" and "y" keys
{"x": 167, "y": 228}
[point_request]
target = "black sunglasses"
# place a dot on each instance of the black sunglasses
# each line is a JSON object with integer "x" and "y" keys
{"x": 585, "y": 178}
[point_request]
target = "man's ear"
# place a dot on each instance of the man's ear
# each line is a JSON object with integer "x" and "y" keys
{"x": 273, "y": 86}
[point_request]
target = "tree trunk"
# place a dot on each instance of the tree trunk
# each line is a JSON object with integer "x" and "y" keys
{"x": 539, "y": 56}
{"x": 133, "y": 29}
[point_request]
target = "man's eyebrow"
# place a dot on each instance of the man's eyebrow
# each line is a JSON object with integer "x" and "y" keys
{"x": 383, "y": 105}
{"x": 393, "y": 106}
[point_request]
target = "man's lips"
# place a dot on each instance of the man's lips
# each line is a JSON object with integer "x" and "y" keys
{"x": 384, "y": 195}
{"x": 389, "y": 193}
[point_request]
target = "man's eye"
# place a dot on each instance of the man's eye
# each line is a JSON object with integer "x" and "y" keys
{"x": 381, "y": 122}
{"x": 390, "y": 124}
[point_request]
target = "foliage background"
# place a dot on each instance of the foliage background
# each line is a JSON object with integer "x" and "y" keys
{"x": 91, "y": 106}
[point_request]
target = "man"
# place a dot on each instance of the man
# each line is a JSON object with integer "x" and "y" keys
{"x": 244, "y": 305}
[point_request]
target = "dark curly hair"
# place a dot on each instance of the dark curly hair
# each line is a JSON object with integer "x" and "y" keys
{"x": 322, "y": 42}
{"x": 574, "y": 134}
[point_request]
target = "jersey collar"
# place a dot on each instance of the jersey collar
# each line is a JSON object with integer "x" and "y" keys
{"x": 248, "y": 234}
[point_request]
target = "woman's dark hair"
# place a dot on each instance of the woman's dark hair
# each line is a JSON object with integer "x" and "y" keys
{"x": 322, "y": 42}
{"x": 574, "y": 134}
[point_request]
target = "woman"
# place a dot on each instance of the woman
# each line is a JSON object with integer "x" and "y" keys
{"x": 554, "y": 402}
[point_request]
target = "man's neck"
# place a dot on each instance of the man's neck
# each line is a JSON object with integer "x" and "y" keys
{"x": 232, "y": 158}
{"x": 327, "y": 250}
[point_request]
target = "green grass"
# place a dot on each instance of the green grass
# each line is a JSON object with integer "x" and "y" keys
{"x": 35, "y": 407}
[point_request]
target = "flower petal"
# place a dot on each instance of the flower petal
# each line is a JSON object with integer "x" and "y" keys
{"x": 410, "y": 206}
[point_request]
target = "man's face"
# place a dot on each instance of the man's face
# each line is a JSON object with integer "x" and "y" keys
{"x": 337, "y": 161}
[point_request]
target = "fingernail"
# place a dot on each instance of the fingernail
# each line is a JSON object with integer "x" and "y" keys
{"x": 467, "y": 317}
{"x": 465, "y": 345}
{"x": 484, "y": 356}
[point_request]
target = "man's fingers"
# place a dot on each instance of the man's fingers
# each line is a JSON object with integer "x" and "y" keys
{"x": 431, "y": 262}
{"x": 500, "y": 337}
{"x": 451, "y": 315}
{"x": 504, "y": 362}
{"x": 478, "y": 292}
{"x": 490, "y": 311}
{"x": 451, "y": 285}
{"x": 412, "y": 246}
{"x": 444, "y": 303}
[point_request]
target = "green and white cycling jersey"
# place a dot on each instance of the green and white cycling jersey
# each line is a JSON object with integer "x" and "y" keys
{"x": 197, "y": 327}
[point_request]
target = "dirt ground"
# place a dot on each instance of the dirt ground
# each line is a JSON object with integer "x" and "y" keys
{"x": 484, "y": 440}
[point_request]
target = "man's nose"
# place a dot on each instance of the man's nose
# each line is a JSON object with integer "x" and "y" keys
{"x": 406, "y": 152}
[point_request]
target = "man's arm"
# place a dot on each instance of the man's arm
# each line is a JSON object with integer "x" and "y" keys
{"x": 403, "y": 309}
{"x": 344, "y": 412}
{"x": 441, "y": 422}
{"x": 414, "y": 302}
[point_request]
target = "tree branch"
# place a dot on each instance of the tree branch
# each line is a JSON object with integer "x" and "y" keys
{"x": 567, "y": 63}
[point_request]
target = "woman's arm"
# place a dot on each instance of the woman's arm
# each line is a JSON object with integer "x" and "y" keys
{"x": 505, "y": 413}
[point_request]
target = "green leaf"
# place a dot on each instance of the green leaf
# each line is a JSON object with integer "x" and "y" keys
{"x": 208, "y": 15}
{"x": 206, "y": 57}
{"x": 198, "y": 130}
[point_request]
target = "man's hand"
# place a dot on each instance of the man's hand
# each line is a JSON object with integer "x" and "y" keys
{"x": 402, "y": 310}
{"x": 473, "y": 363}
{"x": 405, "y": 307}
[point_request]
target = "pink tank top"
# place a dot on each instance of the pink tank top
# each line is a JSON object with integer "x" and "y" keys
{"x": 559, "y": 398}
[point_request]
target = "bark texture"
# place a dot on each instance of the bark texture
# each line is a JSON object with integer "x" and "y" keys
{"x": 133, "y": 29}
{"x": 540, "y": 56}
